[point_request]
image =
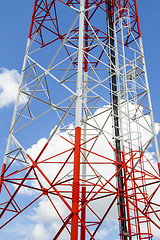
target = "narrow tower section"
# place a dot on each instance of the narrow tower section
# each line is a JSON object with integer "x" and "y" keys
{"x": 83, "y": 138}
{"x": 78, "y": 118}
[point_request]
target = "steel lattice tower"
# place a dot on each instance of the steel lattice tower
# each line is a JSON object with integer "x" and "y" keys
{"x": 84, "y": 78}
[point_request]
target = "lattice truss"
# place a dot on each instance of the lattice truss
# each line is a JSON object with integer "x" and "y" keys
{"x": 46, "y": 106}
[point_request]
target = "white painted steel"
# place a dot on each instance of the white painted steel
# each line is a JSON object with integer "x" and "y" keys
{"x": 84, "y": 133}
{"x": 93, "y": 97}
{"x": 16, "y": 104}
{"x": 78, "y": 116}
{"x": 78, "y": 98}
{"x": 150, "y": 104}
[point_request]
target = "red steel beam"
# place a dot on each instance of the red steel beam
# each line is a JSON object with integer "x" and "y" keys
{"x": 76, "y": 185}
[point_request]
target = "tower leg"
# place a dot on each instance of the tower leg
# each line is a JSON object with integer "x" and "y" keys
{"x": 75, "y": 189}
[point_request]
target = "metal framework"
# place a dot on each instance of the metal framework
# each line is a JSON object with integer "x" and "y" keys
{"x": 84, "y": 79}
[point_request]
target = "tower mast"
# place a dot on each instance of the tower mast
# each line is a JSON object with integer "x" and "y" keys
{"x": 84, "y": 85}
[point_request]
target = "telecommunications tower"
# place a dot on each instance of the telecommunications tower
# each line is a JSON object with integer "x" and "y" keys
{"x": 84, "y": 85}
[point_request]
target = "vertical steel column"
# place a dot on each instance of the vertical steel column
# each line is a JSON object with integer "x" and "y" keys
{"x": 114, "y": 99}
{"x": 76, "y": 170}
{"x": 150, "y": 106}
{"x": 146, "y": 80}
{"x": 83, "y": 198}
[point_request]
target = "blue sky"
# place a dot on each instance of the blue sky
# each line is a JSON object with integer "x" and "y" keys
{"x": 15, "y": 17}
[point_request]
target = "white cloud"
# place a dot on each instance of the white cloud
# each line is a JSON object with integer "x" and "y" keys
{"x": 44, "y": 215}
{"x": 157, "y": 127}
{"x": 102, "y": 233}
{"x": 9, "y": 83}
{"x": 40, "y": 233}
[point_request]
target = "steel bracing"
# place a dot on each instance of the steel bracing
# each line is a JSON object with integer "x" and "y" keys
{"x": 84, "y": 84}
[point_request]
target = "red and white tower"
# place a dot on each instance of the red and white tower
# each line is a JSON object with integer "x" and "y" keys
{"x": 84, "y": 82}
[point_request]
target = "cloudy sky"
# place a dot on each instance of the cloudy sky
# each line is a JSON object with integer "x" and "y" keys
{"x": 15, "y": 21}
